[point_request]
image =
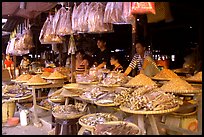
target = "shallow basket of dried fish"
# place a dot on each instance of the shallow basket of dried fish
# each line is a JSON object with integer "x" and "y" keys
{"x": 21, "y": 98}
{"x": 99, "y": 103}
{"x": 135, "y": 128}
{"x": 37, "y": 84}
{"x": 125, "y": 109}
{"x": 184, "y": 91}
{"x": 91, "y": 127}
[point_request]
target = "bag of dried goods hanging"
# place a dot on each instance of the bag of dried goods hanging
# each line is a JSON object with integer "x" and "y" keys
{"x": 43, "y": 30}
{"x": 116, "y": 12}
{"x": 74, "y": 18}
{"x": 60, "y": 18}
{"x": 126, "y": 14}
{"x": 68, "y": 24}
{"x": 48, "y": 30}
{"x": 143, "y": 8}
{"x": 27, "y": 39}
{"x": 107, "y": 13}
{"x": 82, "y": 17}
{"x": 95, "y": 20}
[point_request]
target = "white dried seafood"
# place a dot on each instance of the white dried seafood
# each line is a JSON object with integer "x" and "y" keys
{"x": 97, "y": 118}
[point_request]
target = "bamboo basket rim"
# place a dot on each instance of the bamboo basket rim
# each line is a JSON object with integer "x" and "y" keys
{"x": 161, "y": 79}
{"x": 184, "y": 91}
{"x": 88, "y": 83}
{"x": 37, "y": 84}
{"x": 21, "y": 98}
{"x": 194, "y": 81}
{"x": 125, "y": 109}
{"x": 90, "y": 127}
{"x": 56, "y": 78}
{"x": 67, "y": 116}
{"x": 106, "y": 104}
{"x": 84, "y": 98}
{"x": 110, "y": 85}
{"x": 44, "y": 107}
{"x": 57, "y": 100}
{"x": 121, "y": 122}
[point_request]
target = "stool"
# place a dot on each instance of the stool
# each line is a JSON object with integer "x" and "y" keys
{"x": 67, "y": 126}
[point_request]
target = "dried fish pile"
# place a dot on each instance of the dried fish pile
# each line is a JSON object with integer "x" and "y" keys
{"x": 97, "y": 118}
{"x": 147, "y": 98}
{"x": 119, "y": 129}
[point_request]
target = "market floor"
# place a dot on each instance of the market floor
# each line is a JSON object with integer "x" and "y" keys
{"x": 23, "y": 130}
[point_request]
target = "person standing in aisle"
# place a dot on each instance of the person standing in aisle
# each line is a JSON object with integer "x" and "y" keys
{"x": 103, "y": 57}
{"x": 143, "y": 61}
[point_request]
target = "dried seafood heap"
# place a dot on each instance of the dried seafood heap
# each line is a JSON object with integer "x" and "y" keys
{"x": 55, "y": 74}
{"x": 177, "y": 84}
{"x": 115, "y": 129}
{"x": 166, "y": 73}
{"x": 196, "y": 77}
{"x": 70, "y": 110}
{"x": 147, "y": 98}
{"x": 36, "y": 79}
{"x": 97, "y": 118}
{"x": 24, "y": 77}
{"x": 141, "y": 80}
{"x": 45, "y": 74}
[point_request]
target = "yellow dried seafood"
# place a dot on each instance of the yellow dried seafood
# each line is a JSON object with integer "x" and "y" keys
{"x": 166, "y": 73}
{"x": 56, "y": 74}
{"x": 24, "y": 77}
{"x": 177, "y": 84}
{"x": 36, "y": 79}
{"x": 45, "y": 74}
{"x": 196, "y": 77}
{"x": 140, "y": 80}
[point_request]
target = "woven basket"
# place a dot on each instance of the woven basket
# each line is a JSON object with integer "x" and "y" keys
{"x": 8, "y": 110}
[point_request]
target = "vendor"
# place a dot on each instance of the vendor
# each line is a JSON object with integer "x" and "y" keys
{"x": 25, "y": 62}
{"x": 114, "y": 60}
{"x": 141, "y": 59}
{"x": 9, "y": 65}
{"x": 82, "y": 63}
{"x": 103, "y": 57}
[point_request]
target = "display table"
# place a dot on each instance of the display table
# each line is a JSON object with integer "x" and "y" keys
{"x": 34, "y": 87}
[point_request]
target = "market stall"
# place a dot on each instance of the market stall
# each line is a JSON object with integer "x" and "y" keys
{"x": 100, "y": 101}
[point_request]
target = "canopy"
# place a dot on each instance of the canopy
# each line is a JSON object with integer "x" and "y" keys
{"x": 25, "y": 9}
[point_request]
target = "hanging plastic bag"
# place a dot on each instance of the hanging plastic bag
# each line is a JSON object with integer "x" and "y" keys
{"x": 74, "y": 18}
{"x": 107, "y": 12}
{"x": 67, "y": 23}
{"x": 43, "y": 31}
{"x": 116, "y": 12}
{"x": 126, "y": 14}
{"x": 60, "y": 18}
{"x": 143, "y": 8}
{"x": 72, "y": 46}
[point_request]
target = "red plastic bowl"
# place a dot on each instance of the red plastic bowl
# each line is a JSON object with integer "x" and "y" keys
{"x": 13, "y": 121}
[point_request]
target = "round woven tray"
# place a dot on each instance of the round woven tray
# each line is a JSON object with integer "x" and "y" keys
{"x": 21, "y": 98}
{"x": 125, "y": 109}
{"x": 122, "y": 122}
{"x": 54, "y": 78}
{"x": 89, "y": 127}
{"x": 37, "y": 84}
{"x": 193, "y": 81}
{"x": 85, "y": 98}
{"x": 106, "y": 104}
{"x": 111, "y": 85}
{"x": 44, "y": 107}
{"x": 161, "y": 79}
{"x": 184, "y": 91}
{"x": 67, "y": 116}
{"x": 56, "y": 100}
{"x": 88, "y": 83}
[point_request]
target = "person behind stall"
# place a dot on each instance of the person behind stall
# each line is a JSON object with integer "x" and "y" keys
{"x": 25, "y": 62}
{"x": 142, "y": 60}
{"x": 114, "y": 61}
{"x": 9, "y": 65}
{"x": 103, "y": 56}
{"x": 82, "y": 63}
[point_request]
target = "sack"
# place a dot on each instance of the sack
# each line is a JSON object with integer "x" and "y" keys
{"x": 151, "y": 69}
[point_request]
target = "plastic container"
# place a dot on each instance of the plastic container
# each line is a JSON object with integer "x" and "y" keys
{"x": 24, "y": 118}
{"x": 13, "y": 121}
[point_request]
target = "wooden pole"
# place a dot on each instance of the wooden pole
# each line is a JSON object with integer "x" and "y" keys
{"x": 73, "y": 68}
